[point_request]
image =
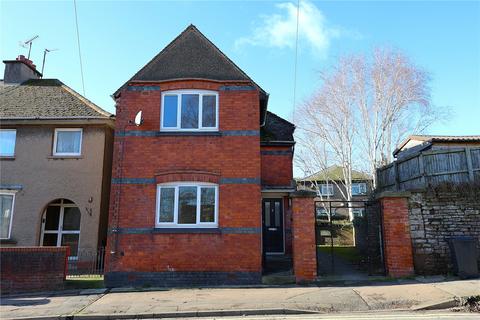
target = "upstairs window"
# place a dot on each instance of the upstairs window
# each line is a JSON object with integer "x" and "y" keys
{"x": 359, "y": 188}
{"x": 326, "y": 190}
{"x": 7, "y": 142}
{"x": 189, "y": 110}
{"x": 67, "y": 142}
{"x": 187, "y": 204}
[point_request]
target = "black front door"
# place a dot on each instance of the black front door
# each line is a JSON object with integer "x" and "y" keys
{"x": 272, "y": 225}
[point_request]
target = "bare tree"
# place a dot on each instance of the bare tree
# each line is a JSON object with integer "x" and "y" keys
{"x": 326, "y": 126}
{"x": 366, "y": 106}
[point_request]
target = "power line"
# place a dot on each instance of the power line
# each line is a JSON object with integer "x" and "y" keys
{"x": 296, "y": 59}
{"x": 78, "y": 42}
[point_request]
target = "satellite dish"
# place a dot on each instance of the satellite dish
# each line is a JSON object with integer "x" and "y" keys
{"x": 138, "y": 118}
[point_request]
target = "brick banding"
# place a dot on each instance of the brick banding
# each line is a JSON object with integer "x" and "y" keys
{"x": 227, "y": 230}
{"x": 277, "y": 152}
{"x": 237, "y": 88}
{"x": 143, "y": 88}
{"x": 147, "y": 133}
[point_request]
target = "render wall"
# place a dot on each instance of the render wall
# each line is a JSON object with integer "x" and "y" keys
{"x": 144, "y": 157}
{"x": 436, "y": 215}
{"x": 42, "y": 178}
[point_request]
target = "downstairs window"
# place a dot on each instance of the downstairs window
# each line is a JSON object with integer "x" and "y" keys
{"x": 187, "y": 204}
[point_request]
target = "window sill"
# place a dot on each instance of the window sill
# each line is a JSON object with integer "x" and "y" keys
{"x": 65, "y": 157}
{"x": 186, "y": 230}
{"x": 188, "y": 133}
{"x": 8, "y": 241}
{"x": 7, "y": 157}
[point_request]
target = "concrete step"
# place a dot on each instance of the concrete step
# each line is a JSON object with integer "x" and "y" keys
{"x": 281, "y": 278}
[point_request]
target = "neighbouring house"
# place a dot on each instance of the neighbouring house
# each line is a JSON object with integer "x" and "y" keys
{"x": 55, "y": 164}
{"x": 330, "y": 186}
{"x": 194, "y": 172}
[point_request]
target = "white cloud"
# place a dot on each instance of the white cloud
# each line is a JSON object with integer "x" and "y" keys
{"x": 279, "y": 30}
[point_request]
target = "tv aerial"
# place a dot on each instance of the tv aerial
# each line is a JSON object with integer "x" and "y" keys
{"x": 28, "y": 44}
{"x": 45, "y": 54}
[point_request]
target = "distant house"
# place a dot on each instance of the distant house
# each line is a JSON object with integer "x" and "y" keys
{"x": 55, "y": 163}
{"x": 330, "y": 186}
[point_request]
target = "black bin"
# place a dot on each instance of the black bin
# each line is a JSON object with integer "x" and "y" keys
{"x": 464, "y": 256}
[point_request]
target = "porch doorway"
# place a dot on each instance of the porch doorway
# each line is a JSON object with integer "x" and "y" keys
{"x": 273, "y": 226}
{"x": 61, "y": 226}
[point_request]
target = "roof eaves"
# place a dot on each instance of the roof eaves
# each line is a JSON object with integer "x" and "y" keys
{"x": 85, "y": 101}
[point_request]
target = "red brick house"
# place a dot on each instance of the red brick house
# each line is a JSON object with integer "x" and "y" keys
{"x": 191, "y": 181}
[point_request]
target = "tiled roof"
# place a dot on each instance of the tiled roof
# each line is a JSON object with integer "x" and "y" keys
{"x": 276, "y": 129}
{"x": 335, "y": 172}
{"x": 190, "y": 55}
{"x": 46, "y": 99}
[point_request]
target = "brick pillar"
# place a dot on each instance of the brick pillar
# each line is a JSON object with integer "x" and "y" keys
{"x": 303, "y": 234}
{"x": 397, "y": 242}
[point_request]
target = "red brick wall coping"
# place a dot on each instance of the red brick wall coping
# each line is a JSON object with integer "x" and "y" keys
{"x": 393, "y": 194}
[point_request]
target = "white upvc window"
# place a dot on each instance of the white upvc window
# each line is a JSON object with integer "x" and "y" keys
{"x": 7, "y": 202}
{"x": 7, "y": 142}
{"x": 189, "y": 110}
{"x": 67, "y": 142}
{"x": 187, "y": 204}
{"x": 359, "y": 188}
{"x": 326, "y": 189}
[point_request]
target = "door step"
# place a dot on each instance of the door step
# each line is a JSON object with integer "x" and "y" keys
{"x": 280, "y": 278}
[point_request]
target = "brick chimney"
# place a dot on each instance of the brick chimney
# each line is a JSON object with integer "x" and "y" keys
{"x": 20, "y": 70}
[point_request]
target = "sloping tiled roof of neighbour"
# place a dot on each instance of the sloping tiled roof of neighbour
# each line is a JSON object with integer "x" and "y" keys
{"x": 335, "y": 172}
{"x": 46, "y": 99}
{"x": 433, "y": 138}
{"x": 190, "y": 56}
{"x": 276, "y": 129}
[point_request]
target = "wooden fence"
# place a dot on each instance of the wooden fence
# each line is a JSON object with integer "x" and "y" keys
{"x": 430, "y": 168}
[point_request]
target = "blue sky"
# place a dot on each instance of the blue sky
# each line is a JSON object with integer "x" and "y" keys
{"x": 118, "y": 38}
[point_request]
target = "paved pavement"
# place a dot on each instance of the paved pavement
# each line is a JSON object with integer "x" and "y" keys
{"x": 178, "y": 302}
{"x": 364, "y": 316}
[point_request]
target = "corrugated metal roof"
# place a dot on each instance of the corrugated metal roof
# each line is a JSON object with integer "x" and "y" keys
{"x": 436, "y": 138}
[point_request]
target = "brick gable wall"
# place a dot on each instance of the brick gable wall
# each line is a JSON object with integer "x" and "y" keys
{"x": 229, "y": 254}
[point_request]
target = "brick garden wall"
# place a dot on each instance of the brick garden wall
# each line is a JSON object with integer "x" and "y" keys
{"x": 396, "y": 236}
{"x": 437, "y": 215}
{"x": 231, "y": 158}
{"x": 28, "y": 269}
{"x": 304, "y": 246}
